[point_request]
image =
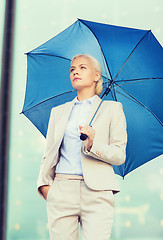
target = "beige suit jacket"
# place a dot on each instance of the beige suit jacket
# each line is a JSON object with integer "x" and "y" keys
{"x": 108, "y": 147}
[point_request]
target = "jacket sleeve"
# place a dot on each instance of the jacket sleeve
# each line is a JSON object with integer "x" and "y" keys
{"x": 114, "y": 152}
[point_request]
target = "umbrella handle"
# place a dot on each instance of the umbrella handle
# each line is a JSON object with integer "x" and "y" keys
{"x": 83, "y": 136}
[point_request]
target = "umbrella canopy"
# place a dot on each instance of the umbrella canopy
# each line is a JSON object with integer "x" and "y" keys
{"x": 132, "y": 63}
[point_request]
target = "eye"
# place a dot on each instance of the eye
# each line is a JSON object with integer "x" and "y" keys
{"x": 72, "y": 69}
{"x": 83, "y": 67}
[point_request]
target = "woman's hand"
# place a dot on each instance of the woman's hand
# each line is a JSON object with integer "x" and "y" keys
{"x": 45, "y": 189}
{"x": 90, "y": 132}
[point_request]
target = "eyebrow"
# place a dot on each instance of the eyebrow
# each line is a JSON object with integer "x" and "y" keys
{"x": 79, "y": 65}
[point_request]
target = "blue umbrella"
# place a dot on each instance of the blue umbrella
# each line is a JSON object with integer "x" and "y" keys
{"x": 132, "y": 63}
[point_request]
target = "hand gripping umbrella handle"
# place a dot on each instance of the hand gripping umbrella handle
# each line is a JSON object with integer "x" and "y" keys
{"x": 83, "y": 136}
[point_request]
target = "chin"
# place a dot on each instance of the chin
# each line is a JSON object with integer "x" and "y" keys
{"x": 78, "y": 86}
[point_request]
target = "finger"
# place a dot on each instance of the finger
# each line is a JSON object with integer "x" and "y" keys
{"x": 89, "y": 130}
{"x": 84, "y": 130}
{"x": 88, "y": 133}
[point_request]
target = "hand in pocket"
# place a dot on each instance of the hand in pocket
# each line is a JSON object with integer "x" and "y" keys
{"x": 45, "y": 189}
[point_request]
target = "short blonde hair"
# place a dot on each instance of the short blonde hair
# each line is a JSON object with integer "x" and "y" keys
{"x": 96, "y": 64}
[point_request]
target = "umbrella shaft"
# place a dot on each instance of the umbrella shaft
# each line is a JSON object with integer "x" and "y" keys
{"x": 102, "y": 98}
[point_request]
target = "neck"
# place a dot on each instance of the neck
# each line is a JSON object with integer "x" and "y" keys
{"x": 85, "y": 94}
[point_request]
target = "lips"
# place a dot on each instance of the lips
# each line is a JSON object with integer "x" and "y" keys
{"x": 76, "y": 79}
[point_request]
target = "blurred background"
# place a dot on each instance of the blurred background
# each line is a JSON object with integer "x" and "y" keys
{"x": 139, "y": 205}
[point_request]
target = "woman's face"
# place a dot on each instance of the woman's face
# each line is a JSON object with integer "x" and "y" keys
{"x": 83, "y": 74}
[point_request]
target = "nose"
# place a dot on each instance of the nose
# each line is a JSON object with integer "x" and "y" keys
{"x": 75, "y": 72}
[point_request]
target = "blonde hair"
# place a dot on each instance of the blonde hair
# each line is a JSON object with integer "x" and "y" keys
{"x": 96, "y": 64}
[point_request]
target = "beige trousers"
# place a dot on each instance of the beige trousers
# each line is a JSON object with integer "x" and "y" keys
{"x": 70, "y": 202}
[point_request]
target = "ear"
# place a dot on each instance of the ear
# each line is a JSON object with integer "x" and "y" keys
{"x": 98, "y": 76}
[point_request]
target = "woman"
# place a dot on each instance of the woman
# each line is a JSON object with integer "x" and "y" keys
{"x": 77, "y": 178}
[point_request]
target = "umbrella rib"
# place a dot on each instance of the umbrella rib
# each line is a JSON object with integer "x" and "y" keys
{"x": 128, "y": 97}
{"x": 138, "y": 79}
{"x": 137, "y": 101}
{"x": 47, "y": 100}
{"x": 114, "y": 94}
{"x": 111, "y": 94}
{"x": 47, "y": 54}
{"x": 131, "y": 54}
{"x": 101, "y": 52}
{"x": 133, "y": 81}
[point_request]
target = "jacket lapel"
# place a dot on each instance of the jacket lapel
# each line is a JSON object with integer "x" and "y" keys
{"x": 62, "y": 120}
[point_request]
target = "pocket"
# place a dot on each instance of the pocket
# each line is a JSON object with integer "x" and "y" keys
{"x": 48, "y": 194}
